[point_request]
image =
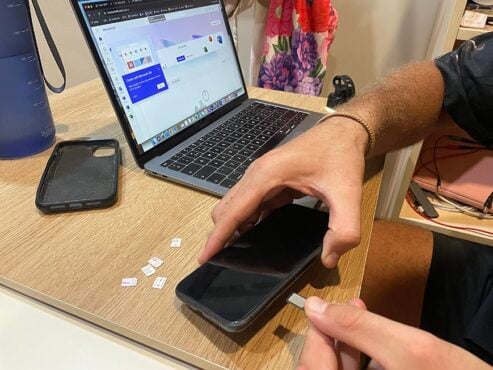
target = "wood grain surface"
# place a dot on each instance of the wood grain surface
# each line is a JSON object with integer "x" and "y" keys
{"x": 75, "y": 261}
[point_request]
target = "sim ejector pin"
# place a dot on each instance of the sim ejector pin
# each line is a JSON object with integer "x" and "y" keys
{"x": 297, "y": 301}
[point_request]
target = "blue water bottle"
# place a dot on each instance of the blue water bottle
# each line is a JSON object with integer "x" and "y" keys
{"x": 26, "y": 123}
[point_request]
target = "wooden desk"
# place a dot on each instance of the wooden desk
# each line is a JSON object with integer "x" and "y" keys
{"x": 75, "y": 261}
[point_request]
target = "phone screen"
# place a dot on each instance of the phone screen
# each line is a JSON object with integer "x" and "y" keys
{"x": 248, "y": 274}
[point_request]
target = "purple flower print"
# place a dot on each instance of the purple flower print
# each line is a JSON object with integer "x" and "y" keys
{"x": 309, "y": 86}
{"x": 281, "y": 73}
{"x": 305, "y": 50}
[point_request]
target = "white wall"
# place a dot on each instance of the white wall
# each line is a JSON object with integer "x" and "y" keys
{"x": 374, "y": 37}
{"x": 68, "y": 37}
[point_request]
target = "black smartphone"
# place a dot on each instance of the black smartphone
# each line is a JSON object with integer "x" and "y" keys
{"x": 240, "y": 282}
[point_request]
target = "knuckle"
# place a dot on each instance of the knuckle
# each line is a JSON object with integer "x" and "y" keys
{"x": 349, "y": 319}
{"x": 236, "y": 219}
{"x": 216, "y": 213}
{"x": 260, "y": 164}
{"x": 266, "y": 162}
{"x": 349, "y": 238}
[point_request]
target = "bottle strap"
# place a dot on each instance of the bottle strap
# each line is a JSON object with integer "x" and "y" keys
{"x": 53, "y": 49}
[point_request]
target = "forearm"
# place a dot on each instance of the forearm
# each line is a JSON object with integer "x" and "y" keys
{"x": 403, "y": 108}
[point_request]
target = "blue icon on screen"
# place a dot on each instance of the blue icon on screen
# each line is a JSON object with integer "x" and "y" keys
{"x": 219, "y": 39}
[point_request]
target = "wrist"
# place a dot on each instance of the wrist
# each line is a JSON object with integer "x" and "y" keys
{"x": 345, "y": 128}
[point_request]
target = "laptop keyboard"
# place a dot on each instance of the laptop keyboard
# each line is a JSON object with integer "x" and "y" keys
{"x": 223, "y": 155}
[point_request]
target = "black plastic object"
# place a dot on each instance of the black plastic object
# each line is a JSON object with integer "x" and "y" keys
{"x": 77, "y": 177}
{"x": 344, "y": 91}
{"x": 420, "y": 197}
{"x": 242, "y": 281}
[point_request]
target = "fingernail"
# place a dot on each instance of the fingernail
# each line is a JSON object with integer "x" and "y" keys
{"x": 316, "y": 305}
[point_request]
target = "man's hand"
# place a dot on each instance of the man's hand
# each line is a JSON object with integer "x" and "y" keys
{"x": 338, "y": 332}
{"x": 326, "y": 162}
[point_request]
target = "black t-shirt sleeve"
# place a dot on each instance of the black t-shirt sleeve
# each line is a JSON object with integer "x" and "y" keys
{"x": 468, "y": 77}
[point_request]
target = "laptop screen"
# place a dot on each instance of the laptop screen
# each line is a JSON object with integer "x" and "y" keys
{"x": 170, "y": 62}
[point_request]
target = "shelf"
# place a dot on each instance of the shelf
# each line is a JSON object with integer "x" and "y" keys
{"x": 468, "y": 33}
{"x": 408, "y": 215}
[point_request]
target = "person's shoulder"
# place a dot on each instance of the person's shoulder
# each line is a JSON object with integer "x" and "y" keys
{"x": 467, "y": 73}
{"x": 485, "y": 37}
{"x": 479, "y": 45}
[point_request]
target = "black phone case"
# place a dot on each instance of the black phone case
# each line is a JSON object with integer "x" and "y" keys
{"x": 319, "y": 218}
{"x": 76, "y": 179}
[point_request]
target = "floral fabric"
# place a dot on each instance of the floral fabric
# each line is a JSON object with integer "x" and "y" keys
{"x": 298, "y": 35}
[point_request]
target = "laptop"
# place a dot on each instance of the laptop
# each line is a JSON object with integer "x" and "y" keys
{"x": 175, "y": 82}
